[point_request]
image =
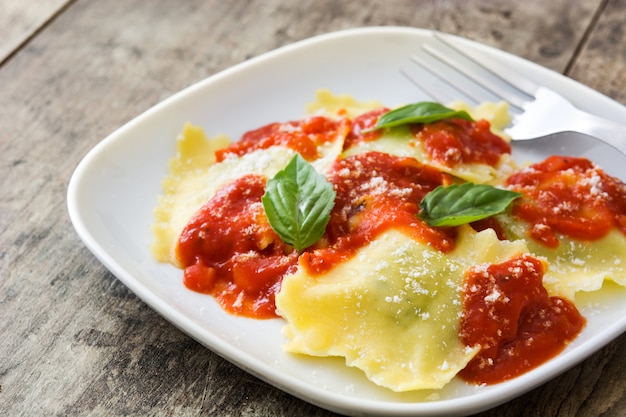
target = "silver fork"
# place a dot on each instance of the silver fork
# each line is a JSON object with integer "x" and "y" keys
{"x": 537, "y": 110}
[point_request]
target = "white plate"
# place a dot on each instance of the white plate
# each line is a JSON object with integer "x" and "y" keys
{"x": 114, "y": 189}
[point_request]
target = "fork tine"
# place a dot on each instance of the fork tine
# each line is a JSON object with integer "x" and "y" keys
{"x": 429, "y": 89}
{"x": 478, "y": 78}
{"x": 519, "y": 89}
{"x": 425, "y": 87}
{"x": 437, "y": 80}
{"x": 512, "y": 78}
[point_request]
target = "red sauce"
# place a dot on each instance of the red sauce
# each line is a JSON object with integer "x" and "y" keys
{"x": 376, "y": 192}
{"x": 361, "y": 126}
{"x": 450, "y": 142}
{"x": 570, "y": 196}
{"x": 509, "y": 314}
{"x": 303, "y": 136}
{"x": 229, "y": 250}
{"x": 457, "y": 141}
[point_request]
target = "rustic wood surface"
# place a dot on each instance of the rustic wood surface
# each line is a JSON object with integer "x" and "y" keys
{"x": 20, "y": 20}
{"x": 75, "y": 341}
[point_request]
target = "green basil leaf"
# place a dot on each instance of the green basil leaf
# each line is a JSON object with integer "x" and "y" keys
{"x": 458, "y": 204}
{"x": 297, "y": 202}
{"x": 422, "y": 112}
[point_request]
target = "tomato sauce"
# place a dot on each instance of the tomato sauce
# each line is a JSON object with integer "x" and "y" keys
{"x": 229, "y": 250}
{"x": 570, "y": 196}
{"x": 508, "y": 312}
{"x": 303, "y": 136}
{"x": 458, "y": 141}
{"x": 376, "y": 192}
{"x": 362, "y": 126}
{"x": 450, "y": 142}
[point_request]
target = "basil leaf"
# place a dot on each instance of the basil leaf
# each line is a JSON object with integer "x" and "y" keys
{"x": 297, "y": 202}
{"x": 422, "y": 112}
{"x": 456, "y": 204}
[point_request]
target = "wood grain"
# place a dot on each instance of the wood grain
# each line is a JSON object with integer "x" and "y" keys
{"x": 601, "y": 63}
{"x": 21, "y": 19}
{"x": 73, "y": 340}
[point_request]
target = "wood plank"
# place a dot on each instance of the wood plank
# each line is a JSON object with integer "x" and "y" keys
{"x": 601, "y": 63}
{"x": 21, "y": 19}
{"x": 73, "y": 339}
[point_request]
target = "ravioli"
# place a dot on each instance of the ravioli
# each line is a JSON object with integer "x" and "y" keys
{"x": 574, "y": 214}
{"x": 393, "y": 310}
{"x": 194, "y": 177}
{"x": 397, "y": 142}
{"x": 575, "y": 265}
{"x": 329, "y": 104}
{"x": 182, "y": 194}
{"x": 400, "y": 141}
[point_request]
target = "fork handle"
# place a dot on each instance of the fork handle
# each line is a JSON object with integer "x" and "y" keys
{"x": 608, "y": 131}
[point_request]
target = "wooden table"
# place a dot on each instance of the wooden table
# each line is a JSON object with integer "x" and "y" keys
{"x": 74, "y": 340}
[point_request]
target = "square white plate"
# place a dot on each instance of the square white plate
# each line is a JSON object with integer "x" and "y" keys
{"x": 114, "y": 190}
